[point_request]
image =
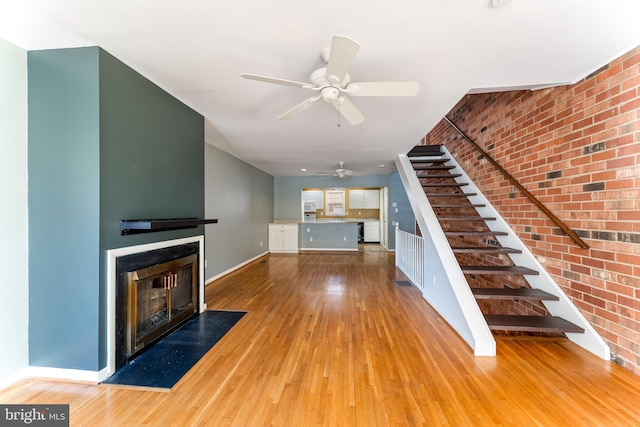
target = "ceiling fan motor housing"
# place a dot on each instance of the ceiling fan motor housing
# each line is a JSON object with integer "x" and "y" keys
{"x": 319, "y": 78}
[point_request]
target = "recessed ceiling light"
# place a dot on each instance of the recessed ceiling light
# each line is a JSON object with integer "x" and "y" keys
{"x": 303, "y": 169}
{"x": 381, "y": 166}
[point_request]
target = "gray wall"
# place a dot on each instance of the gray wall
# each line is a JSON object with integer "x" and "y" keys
{"x": 240, "y": 196}
{"x": 14, "y": 285}
{"x": 287, "y": 193}
{"x": 105, "y": 144}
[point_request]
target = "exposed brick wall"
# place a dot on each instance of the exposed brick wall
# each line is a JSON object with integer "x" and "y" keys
{"x": 577, "y": 149}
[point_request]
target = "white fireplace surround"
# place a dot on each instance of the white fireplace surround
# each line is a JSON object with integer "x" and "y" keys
{"x": 112, "y": 255}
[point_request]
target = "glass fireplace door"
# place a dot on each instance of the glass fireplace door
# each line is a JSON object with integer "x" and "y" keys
{"x": 160, "y": 298}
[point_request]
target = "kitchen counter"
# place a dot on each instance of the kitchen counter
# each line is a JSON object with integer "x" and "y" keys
{"x": 333, "y": 221}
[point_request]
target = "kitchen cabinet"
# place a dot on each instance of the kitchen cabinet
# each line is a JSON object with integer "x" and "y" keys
{"x": 283, "y": 238}
{"x": 364, "y": 199}
{"x": 313, "y": 196}
{"x": 372, "y": 231}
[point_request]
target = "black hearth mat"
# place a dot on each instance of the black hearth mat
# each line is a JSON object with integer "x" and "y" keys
{"x": 166, "y": 362}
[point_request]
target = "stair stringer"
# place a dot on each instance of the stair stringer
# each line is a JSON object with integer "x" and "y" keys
{"x": 445, "y": 286}
{"x": 564, "y": 307}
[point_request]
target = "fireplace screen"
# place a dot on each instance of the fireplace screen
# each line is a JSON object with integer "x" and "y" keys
{"x": 159, "y": 298}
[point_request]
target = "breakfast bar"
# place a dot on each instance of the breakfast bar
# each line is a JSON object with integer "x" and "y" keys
{"x": 330, "y": 235}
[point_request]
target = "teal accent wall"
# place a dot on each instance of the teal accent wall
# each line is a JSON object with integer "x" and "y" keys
{"x": 105, "y": 144}
{"x": 64, "y": 208}
{"x": 240, "y": 196}
{"x": 287, "y": 194}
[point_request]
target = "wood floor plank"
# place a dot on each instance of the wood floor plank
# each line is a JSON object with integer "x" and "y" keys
{"x": 329, "y": 340}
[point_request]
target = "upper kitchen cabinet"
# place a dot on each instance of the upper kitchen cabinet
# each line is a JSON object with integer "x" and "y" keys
{"x": 313, "y": 196}
{"x": 364, "y": 199}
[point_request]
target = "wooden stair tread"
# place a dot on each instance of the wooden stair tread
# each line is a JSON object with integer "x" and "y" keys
{"x": 425, "y": 150}
{"x": 427, "y": 160}
{"x": 467, "y": 218}
{"x": 469, "y": 205}
{"x": 515, "y": 294}
{"x": 433, "y": 168}
{"x": 497, "y": 269}
{"x": 450, "y": 194}
{"x": 511, "y": 322}
{"x": 440, "y": 175}
{"x": 485, "y": 249}
{"x": 474, "y": 233}
{"x": 437, "y": 184}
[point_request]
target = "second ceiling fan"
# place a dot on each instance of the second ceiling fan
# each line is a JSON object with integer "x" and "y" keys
{"x": 332, "y": 82}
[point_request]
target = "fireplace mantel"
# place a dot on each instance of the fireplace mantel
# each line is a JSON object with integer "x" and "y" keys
{"x": 136, "y": 226}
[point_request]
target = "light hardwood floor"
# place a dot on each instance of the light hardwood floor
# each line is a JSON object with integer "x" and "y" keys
{"x": 330, "y": 340}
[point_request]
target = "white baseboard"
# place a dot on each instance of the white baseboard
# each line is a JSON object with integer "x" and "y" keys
{"x": 330, "y": 249}
{"x": 74, "y": 375}
{"x": 232, "y": 269}
{"x": 66, "y": 374}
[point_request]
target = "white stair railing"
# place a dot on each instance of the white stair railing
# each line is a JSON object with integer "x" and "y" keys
{"x": 409, "y": 257}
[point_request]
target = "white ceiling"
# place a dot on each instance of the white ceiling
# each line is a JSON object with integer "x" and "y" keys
{"x": 197, "y": 49}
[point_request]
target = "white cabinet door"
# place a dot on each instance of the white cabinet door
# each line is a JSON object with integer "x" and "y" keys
{"x": 319, "y": 199}
{"x": 356, "y": 199}
{"x": 283, "y": 238}
{"x": 364, "y": 199}
{"x": 371, "y": 199}
{"x": 308, "y": 196}
{"x": 276, "y": 242}
{"x": 372, "y": 231}
{"x": 313, "y": 196}
{"x": 290, "y": 238}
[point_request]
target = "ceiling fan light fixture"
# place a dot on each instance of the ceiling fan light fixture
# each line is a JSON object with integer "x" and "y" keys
{"x": 330, "y": 94}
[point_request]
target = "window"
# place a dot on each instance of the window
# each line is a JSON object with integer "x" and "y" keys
{"x": 335, "y": 203}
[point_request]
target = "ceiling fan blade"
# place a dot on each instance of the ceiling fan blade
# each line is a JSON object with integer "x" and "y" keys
{"x": 276, "y": 80}
{"x": 349, "y": 111}
{"x": 298, "y": 108}
{"x": 343, "y": 52}
{"x": 383, "y": 88}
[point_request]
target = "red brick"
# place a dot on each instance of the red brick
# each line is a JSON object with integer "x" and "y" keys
{"x": 630, "y": 106}
{"x": 631, "y": 61}
{"x": 539, "y": 132}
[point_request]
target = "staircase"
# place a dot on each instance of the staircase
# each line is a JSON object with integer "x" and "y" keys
{"x": 499, "y": 285}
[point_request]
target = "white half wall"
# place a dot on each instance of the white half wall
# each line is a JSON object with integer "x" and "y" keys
{"x": 14, "y": 252}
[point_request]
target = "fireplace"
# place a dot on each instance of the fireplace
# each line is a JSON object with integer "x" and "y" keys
{"x": 159, "y": 298}
{"x": 155, "y": 292}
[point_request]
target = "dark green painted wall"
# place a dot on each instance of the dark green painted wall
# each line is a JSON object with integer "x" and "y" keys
{"x": 151, "y": 155}
{"x": 105, "y": 144}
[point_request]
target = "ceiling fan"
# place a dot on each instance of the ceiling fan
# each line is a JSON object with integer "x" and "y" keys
{"x": 341, "y": 172}
{"x": 332, "y": 82}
